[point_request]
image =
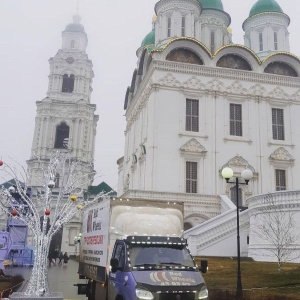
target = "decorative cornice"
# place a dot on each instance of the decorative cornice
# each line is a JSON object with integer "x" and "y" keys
{"x": 141, "y": 102}
{"x": 221, "y": 73}
{"x": 281, "y": 154}
{"x": 238, "y": 164}
{"x": 193, "y": 147}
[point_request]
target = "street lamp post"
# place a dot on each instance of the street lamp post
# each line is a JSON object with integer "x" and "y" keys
{"x": 227, "y": 174}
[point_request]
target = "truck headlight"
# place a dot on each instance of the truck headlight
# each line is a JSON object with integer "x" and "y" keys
{"x": 144, "y": 294}
{"x": 203, "y": 293}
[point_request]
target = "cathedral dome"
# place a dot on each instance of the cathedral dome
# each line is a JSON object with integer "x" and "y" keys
{"x": 211, "y": 4}
{"x": 262, "y": 6}
{"x": 75, "y": 26}
{"x": 149, "y": 39}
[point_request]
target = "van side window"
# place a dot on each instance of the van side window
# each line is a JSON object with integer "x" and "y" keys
{"x": 120, "y": 255}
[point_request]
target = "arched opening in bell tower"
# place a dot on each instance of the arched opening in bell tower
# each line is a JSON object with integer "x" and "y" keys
{"x": 62, "y": 136}
{"x": 68, "y": 83}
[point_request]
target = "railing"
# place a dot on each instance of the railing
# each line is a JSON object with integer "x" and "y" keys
{"x": 278, "y": 198}
{"x": 218, "y": 227}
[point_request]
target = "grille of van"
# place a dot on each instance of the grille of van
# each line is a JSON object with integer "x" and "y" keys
{"x": 180, "y": 296}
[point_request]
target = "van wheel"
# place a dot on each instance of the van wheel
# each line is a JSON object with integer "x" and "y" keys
{"x": 119, "y": 297}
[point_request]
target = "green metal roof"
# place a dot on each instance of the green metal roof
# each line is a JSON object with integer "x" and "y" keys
{"x": 149, "y": 39}
{"x": 9, "y": 183}
{"x": 211, "y": 4}
{"x": 262, "y": 6}
{"x": 102, "y": 187}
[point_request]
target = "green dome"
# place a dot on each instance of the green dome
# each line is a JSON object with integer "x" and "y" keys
{"x": 149, "y": 39}
{"x": 212, "y": 4}
{"x": 262, "y": 6}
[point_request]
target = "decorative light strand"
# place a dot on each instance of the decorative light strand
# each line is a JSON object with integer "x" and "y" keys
{"x": 45, "y": 213}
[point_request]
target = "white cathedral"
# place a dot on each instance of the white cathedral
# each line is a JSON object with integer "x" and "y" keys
{"x": 198, "y": 103}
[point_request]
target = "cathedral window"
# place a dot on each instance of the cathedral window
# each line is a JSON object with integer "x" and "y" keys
{"x": 62, "y": 136}
{"x": 169, "y": 28}
{"x": 192, "y": 115}
{"x": 233, "y": 61}
{"x": 191, "y": 177}
{"x": 277, "y": 124}
{"x": 280, "y": 68}
{"x": 261, "y": 43}
{"x": 72, "y": 44}
{"x": 183, "y": 26}
{"x": 280, "y": 177}
{"x": 212, "y": 42}
{"x": 68, "y": 83}
{"x": 275, "y": 41}
{"x": 185, "y": 56}
{"x": 236, "y": 119}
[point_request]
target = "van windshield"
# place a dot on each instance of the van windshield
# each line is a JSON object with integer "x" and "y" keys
{"x": 159, "y": 255}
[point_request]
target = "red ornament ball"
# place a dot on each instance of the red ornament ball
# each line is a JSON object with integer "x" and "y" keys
{"x": 47, "y": 212}
{"x": 14, "y": 212}
{"x": 1, "y": 163}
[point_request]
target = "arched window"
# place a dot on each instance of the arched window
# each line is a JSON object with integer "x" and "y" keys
{"x": 65, "y": 83}
{"x": 72, "y": 44}
{"x": 183, "y": 26}
{"x": 280, "y": 68}
{"x": 185, "y": 56}
{"x": 261, "y": 42}
{"x": 169, "y": 27}
{"x": 233, "y": 61}
{"x": 71, "y": 83}
{"x": 68, "y": 83}
{"x": 212, "y": 42}
{"x": 62, "y": 136}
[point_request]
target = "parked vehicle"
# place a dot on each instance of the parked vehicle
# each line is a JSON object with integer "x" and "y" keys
{"x": 133, "y": 249}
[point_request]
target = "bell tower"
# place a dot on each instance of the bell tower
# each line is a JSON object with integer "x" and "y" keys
{"x": 65, "y": 119}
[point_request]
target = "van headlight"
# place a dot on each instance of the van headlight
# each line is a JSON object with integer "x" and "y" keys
{"x": 203, "y": 293}
{"x": 144, "y": 294}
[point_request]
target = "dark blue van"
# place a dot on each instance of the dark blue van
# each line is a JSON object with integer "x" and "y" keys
{"x": 154, "y": 268}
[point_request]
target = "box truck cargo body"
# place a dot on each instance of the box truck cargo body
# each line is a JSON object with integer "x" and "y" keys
{"x": 133, "y": 249}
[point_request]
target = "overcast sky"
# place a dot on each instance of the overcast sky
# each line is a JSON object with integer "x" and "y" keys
{"x": 30, "y": 33}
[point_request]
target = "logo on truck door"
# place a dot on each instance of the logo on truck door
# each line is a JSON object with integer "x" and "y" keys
{"x": 171, "y": 278}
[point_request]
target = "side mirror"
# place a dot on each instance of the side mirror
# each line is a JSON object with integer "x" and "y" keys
{"x": 203, "y": 266}
{"x": 114, "y": 263}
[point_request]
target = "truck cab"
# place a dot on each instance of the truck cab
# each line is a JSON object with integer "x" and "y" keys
{"x": 154, "y": 267}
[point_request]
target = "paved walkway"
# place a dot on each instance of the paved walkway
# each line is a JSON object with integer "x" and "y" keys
{"x": 61, "y": 278}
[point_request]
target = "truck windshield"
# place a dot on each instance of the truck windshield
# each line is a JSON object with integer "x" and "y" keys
{"x": 159, "y": 255}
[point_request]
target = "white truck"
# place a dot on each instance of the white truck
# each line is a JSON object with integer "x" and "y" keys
{"x": 133, "y": 249}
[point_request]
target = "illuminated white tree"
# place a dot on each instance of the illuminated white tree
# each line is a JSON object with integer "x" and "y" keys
{"x": 46, "y": 213}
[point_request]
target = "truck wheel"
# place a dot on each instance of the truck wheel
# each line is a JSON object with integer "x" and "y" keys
{"x": 119, "y": 297}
